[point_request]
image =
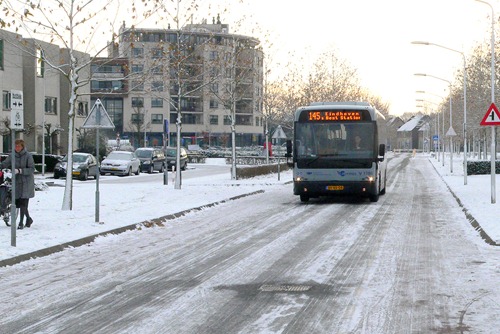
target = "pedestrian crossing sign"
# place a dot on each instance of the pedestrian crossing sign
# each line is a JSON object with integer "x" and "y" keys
{"x": 492, "y": 116}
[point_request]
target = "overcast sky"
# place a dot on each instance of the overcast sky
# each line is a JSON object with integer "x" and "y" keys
{"x": 375, "y": 38}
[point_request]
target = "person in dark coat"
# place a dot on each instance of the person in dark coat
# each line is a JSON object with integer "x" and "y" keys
{"x": 25, "y": 180}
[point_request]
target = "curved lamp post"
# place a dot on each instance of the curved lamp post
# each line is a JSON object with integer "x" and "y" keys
{"x": 439, "y": 146}
{"x": 465, "y": 99}
{"x": 450, "y": 132}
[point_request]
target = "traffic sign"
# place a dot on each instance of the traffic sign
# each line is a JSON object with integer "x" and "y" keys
{"x": 492, "y": 116}
{"x": 17, "y": 110}
{"x": 279, "y": 133}
{"x": 98, "y": 118}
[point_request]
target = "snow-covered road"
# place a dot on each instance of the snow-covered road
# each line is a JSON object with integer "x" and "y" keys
{"x": 270, "y": 264}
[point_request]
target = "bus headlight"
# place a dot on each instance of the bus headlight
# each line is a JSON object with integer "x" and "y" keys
{"x": 370, "y": 178}
{"x": 299, "y": 179}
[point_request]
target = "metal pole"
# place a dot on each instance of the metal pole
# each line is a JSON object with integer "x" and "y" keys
{"x": 98, "y": 122}
{"x": 493, "y": 139}
{"x": 439, "y": 140}
{"x": 267, "y": 142}
{"x": 465, "y": 122}
{"x": 451, "y": 138}
{"x": 443, "y": 143}
{"x": 43, "y": 128}
{"x": 13, "y": 192}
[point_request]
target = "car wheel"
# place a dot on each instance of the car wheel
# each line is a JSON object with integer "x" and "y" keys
{"x": 56, "y": 176}
{"x": 162, "y": 168}
{"x": 129, "y": 172}
{"x": 185, "y": 166}
{"x": 151, "y": 169}
{"x": 84, "y": 175}
{"x": 138, "y": 171}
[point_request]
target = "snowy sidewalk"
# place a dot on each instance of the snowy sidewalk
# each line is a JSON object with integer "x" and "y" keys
{"x": 475, "y": 196}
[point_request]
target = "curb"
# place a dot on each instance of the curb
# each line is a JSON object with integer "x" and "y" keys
{"x": 474, "y": 223}
{"x": 87, "y": 240}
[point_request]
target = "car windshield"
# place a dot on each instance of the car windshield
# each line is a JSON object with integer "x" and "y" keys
{"x": 76, "y": 158}
{"x": 119, "y": 156}
{"x": 144, "y": 153}
{"x": 171, "y": 152}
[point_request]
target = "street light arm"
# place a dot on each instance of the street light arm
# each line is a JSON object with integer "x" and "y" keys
{"x": 432, "y": 76}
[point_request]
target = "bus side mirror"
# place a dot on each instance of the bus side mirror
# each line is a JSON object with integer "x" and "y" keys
{"x": 381, "y": 151}
{"x": 288, "y": 148}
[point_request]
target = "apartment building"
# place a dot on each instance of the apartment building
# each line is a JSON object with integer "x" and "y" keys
{"x": 211, "y": 75}
{"x": 46, "y": 93}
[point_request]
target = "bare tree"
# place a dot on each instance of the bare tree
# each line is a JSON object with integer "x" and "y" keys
{"x": 75, "y": 25}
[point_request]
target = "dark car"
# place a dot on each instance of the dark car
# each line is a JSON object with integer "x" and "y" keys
{"x": 84, "y": 165}
{"x": 171, "y": 154}
{"x": 151, "y": 159}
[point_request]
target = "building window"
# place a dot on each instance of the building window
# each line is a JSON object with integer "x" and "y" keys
{"x": 137, "y": 68}
{"x": 51, "y": 105}
{"x": 214, "y": 120}
{"x": 106, "y": 85}
{"x": 1, "y": 54}
{"x": 243, "y": 120}
{"x": 156, "y": 118}
{"x": 156, "y": 102}
{"x": 191, "y": 118}
{"x": 107, "y": 68}
{"x": 83, "y": 109}
{"x": 214, "y": 87}
{"x": 157, "y": 53}
{"x": 137, "y": 118}
{"x": 137, "y": 52}
{"x": 157, "y": 86}
{"x": 227, "y": 120}
{"x": 40, "y": 64}
{"x": 137, "y": 102}
{"x": 137, "y": 86}
{"x": 214, "y": 104}
{"x": 213, "y": 55}
{"x": 157, "y": 70}
{"x": 5, "y": 100}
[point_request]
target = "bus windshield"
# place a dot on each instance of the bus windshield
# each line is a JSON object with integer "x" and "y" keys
{"x": 335, "y": 140}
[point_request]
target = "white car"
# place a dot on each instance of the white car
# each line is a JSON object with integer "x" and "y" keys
{"x": 120, "y": 163}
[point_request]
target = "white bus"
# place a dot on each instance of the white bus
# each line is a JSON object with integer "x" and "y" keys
{"x": 339, "y": 149}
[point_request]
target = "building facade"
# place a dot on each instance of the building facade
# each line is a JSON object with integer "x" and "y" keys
{"x": 46, "y": 93}
{"x": 199, "y": 77}
{"x": 210, "y": 76}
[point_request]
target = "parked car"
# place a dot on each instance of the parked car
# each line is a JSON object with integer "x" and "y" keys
{"x": 151, "y": 159}
{"x": 171, "y": 154}
{"x": 84, "y": 165}
{"x": 120, "y": 163}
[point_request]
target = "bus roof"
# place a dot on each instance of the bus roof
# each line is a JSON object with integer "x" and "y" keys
{"x": 346, "y": 105}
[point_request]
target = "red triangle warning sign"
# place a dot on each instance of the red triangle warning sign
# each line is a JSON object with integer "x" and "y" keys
{"x": 492, "y": 116}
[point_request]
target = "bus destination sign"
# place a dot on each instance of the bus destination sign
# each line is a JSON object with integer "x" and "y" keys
{"x": 334, "y": 116}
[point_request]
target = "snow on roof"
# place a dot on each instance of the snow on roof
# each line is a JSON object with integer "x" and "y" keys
{"x": 414, "y": 122}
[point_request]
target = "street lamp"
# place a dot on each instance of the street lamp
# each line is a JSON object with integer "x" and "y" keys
{"x": 437, "y": 124}
{"x": 465, "y": 99}
{"x": 450, "y": 131}
{"x": 441, "y": 147}
{"x": 493, "y": 139}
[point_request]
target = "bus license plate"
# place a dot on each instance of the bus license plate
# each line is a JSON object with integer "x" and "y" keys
{"x": 334, "y": 187}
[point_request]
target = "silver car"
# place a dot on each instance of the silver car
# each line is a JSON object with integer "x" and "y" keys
{"x": 120, "y": 163}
